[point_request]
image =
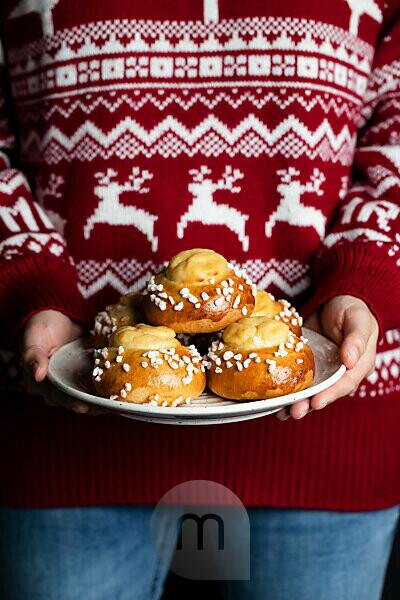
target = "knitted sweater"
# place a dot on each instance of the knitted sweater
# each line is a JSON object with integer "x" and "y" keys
{"x": 268, "y": 131}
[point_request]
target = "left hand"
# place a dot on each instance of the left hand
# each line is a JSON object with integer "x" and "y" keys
{"x": 347, "y": 321}
{"x": 44, "y": 333}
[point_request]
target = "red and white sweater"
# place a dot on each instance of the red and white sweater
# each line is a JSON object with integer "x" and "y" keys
{"x": 268, "y": 131}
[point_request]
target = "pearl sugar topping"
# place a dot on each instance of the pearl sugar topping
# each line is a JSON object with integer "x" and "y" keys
{"x": 226, "y": 291}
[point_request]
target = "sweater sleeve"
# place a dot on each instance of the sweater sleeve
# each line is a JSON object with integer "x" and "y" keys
{"x": 36, "y": 271}
{"x": 360, "y": 255}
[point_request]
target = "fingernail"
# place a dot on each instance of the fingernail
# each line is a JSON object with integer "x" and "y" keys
{"x": 353, "y": 354}
{"x": 35, "y": 369}
{"x": 302, "y": 413}
{"x": 323, "y": 403}
{"x": 282, "y": 415}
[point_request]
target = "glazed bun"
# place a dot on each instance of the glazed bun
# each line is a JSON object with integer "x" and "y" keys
{"x": 145, "y": 364}
{"x": 127, "y": 311}
{"x": 280, "y": 310}
{"x": 198, "y": 292}
{"x": 258, "y": 358}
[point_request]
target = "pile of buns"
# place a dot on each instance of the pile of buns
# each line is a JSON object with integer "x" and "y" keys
{"x": 147, "y": 345}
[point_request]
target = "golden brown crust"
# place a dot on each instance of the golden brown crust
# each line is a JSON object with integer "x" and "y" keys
{"x": 246, "y": 374}
{"x": 257, "y": 382}
{"x": 206, "y": 316}
{"x": 168, "y": 376}
{"x": 197, "y": 265}
{"x": 144, "y": 337}
{"x": 282, "y": 310}
{"x": 199, "y": 307}
{"x": 255, "y": 333}
{"x": 127, "y": 311}
{"x": 200, "y": 293}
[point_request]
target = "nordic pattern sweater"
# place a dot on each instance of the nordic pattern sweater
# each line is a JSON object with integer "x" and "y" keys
{"x": 121, "y": 125}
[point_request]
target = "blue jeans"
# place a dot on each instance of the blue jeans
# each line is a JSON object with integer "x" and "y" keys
{"x": 104, "y": 553}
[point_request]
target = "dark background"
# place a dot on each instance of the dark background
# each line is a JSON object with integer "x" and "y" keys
{"x": 178, "y": 588}
{"x": 392, "y": 585}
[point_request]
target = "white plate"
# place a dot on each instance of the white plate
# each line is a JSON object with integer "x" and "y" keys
{"x": 70, "y": 370}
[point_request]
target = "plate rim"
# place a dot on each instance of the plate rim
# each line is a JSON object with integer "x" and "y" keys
{"x": 200, "y": 421}
{"x": 168, "y": 413}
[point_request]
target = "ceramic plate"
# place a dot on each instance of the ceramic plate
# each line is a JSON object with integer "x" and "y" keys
{"x": 70, "y": 370}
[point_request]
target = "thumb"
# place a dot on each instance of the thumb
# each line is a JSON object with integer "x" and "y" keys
{"x": 356, "y": 335}
{"x": 36, "y": 360}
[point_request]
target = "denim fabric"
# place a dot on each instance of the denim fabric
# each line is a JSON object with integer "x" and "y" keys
{"x": 105, "y": 553}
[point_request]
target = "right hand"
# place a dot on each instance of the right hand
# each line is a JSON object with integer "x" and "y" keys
{"x": 44, "y": 333}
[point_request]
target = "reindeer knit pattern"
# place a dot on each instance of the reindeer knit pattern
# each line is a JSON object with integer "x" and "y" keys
{"x": 267, "y": 131}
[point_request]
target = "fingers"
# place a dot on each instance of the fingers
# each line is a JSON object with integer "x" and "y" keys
{"x": 351, "y": 324}
{"x": 350, "y": 380}
{"x": 283, "y": 414}
{"x": 80, "y": 407}
{"x": 85, "y": 409}
{"x": 36, "y": 360}
{"x": 300, "y": 409}
{"x": 357, "y": 331}
{"x": 35, "y": 350}
{"x": 53, "y": 397}
{"x": 296, "y": 411}
{"x": 345, "y": 386}
{"x": 44, "y": 333}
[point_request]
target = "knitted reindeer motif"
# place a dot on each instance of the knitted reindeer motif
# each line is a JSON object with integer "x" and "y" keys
{"x": 204, "y": 209}
{"x": 111, "y": 211}
{"x": 362, "y": 7}
{"x": 210, "y": 11}
{"x": 291, "y": 210}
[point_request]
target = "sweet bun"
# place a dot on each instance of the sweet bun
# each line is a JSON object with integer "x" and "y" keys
{"x": 145, "y": 364}
{"x": 126, "y": 312}
{"x": 198, "y": 292}
{"x": 258, "y": 358}
{"x": 280, "y": 310}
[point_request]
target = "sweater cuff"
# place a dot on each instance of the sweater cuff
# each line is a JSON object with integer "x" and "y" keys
{"x": 359, "y": 270}
{"x": 32, "y": 284}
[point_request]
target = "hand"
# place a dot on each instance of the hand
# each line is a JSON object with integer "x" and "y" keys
{"x": 347, "y": 321}
{"x": 44, "y": 333}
